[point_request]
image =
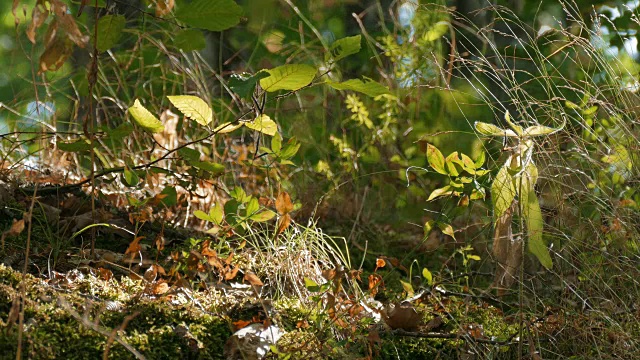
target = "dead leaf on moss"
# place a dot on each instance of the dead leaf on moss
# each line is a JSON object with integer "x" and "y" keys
{"x": 402, "y": 316}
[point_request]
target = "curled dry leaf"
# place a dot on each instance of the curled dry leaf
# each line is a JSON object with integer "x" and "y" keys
{"x": 375, "y": 281}
{"x": 380, "y": 263}
{"x": 38, "y": 16}
{"x": 134, "y": 246}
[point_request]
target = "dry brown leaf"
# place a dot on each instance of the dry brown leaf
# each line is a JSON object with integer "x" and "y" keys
{"x": 163, "y": 7}
{"x": 159, "y": 242}
{"x": 56, "y": 53}
{"x": 237, "y": 325}
{"x": 161, "y": 287}
{"x": 134, "y": 246}
{"x": 375, "y": 281}
{"x": 507, "y": 250}
{"x": 380, "y": 263}
{"x": 252, "y": 279}
{"x": 231, "y": 274}
{"x": 16, "y": 227}
{"x": 283, "y": 223}
{"x": 283, "y": 203}
{"x": 68, "y": 23}
{"x": 14, "y": 11}
{"x": 403, "y": 316}
{"x": 38, "y": 17}
{"x": 105, "y": 274}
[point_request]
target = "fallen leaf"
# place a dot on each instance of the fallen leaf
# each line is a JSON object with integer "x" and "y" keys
{"x": 252, "y": 279}
{"x": 402, "y": 316}
{"x": 230, "y": 275}
{"x": 380, "y": 263}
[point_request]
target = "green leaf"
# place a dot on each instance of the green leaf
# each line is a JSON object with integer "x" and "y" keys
{"x": 189, "y": 154}
{"x": 437, "y": 31}
{"x": 450, "y": 161}
{"x": 244, "y": 83}
{"x": 446, "y": 229}
{"x": 263, "y": 124}
{"x": 226, "y": 128}
{"x": 288, "y": 77}
{"x": 517, "y": 128}
{"x": 202, "y": 215}
{"x": 189, "y": 40}
{"x": 193, "y": 107}
{"x": 407, "y": 287}
{"x": 342, "y": 48}
{"x": 368, "y": 87}
{"x": 145, "y": 119}
{"x": 539, "y": 130}
{"x": 503, "y": 192}
{"x": 214, "y": 15}
{"x": 446, "y": 190}
{"x": 211, "y": 167}
{"x": 571, "y": 105}
{"x": 428, "y": 276}
{"x": 109, "y": 31}
{"x": 473, "y": 257}
{"x": 263, "y": 216}
{"x": 130, "y": 177}
{"x": 492, "y": 130}
{"x": 436, "y": 159}
{"x": 123, "y": 130}
{"x": 535, "y": 223}
{"x": 290, "y": 149}
{"x": 216, "y": 213}
{"x": 252, "y": 206}
{"x": 76, "y": 146}
{"x": 590, "y": 111}
{"x": 480, "y": 160}
{"x": 276, "y": 143}
{"x": 311, "y": 285}
{"x": 171, "y": 197}
{"x": 428, "y": 226}
{"x": 239, "y": 194}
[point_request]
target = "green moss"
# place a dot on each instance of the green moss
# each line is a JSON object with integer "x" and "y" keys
{"x": 155, "y": 329}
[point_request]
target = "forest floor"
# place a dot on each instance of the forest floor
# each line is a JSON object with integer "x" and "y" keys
{"x": 155, "y": 292}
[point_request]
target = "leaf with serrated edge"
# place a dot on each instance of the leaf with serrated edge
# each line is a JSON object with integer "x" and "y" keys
{"x": 368, "y": 87}
{"x": 193, "y": 107}
{"x": 145, "y": 119}
{"x": 288, "y": 77}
